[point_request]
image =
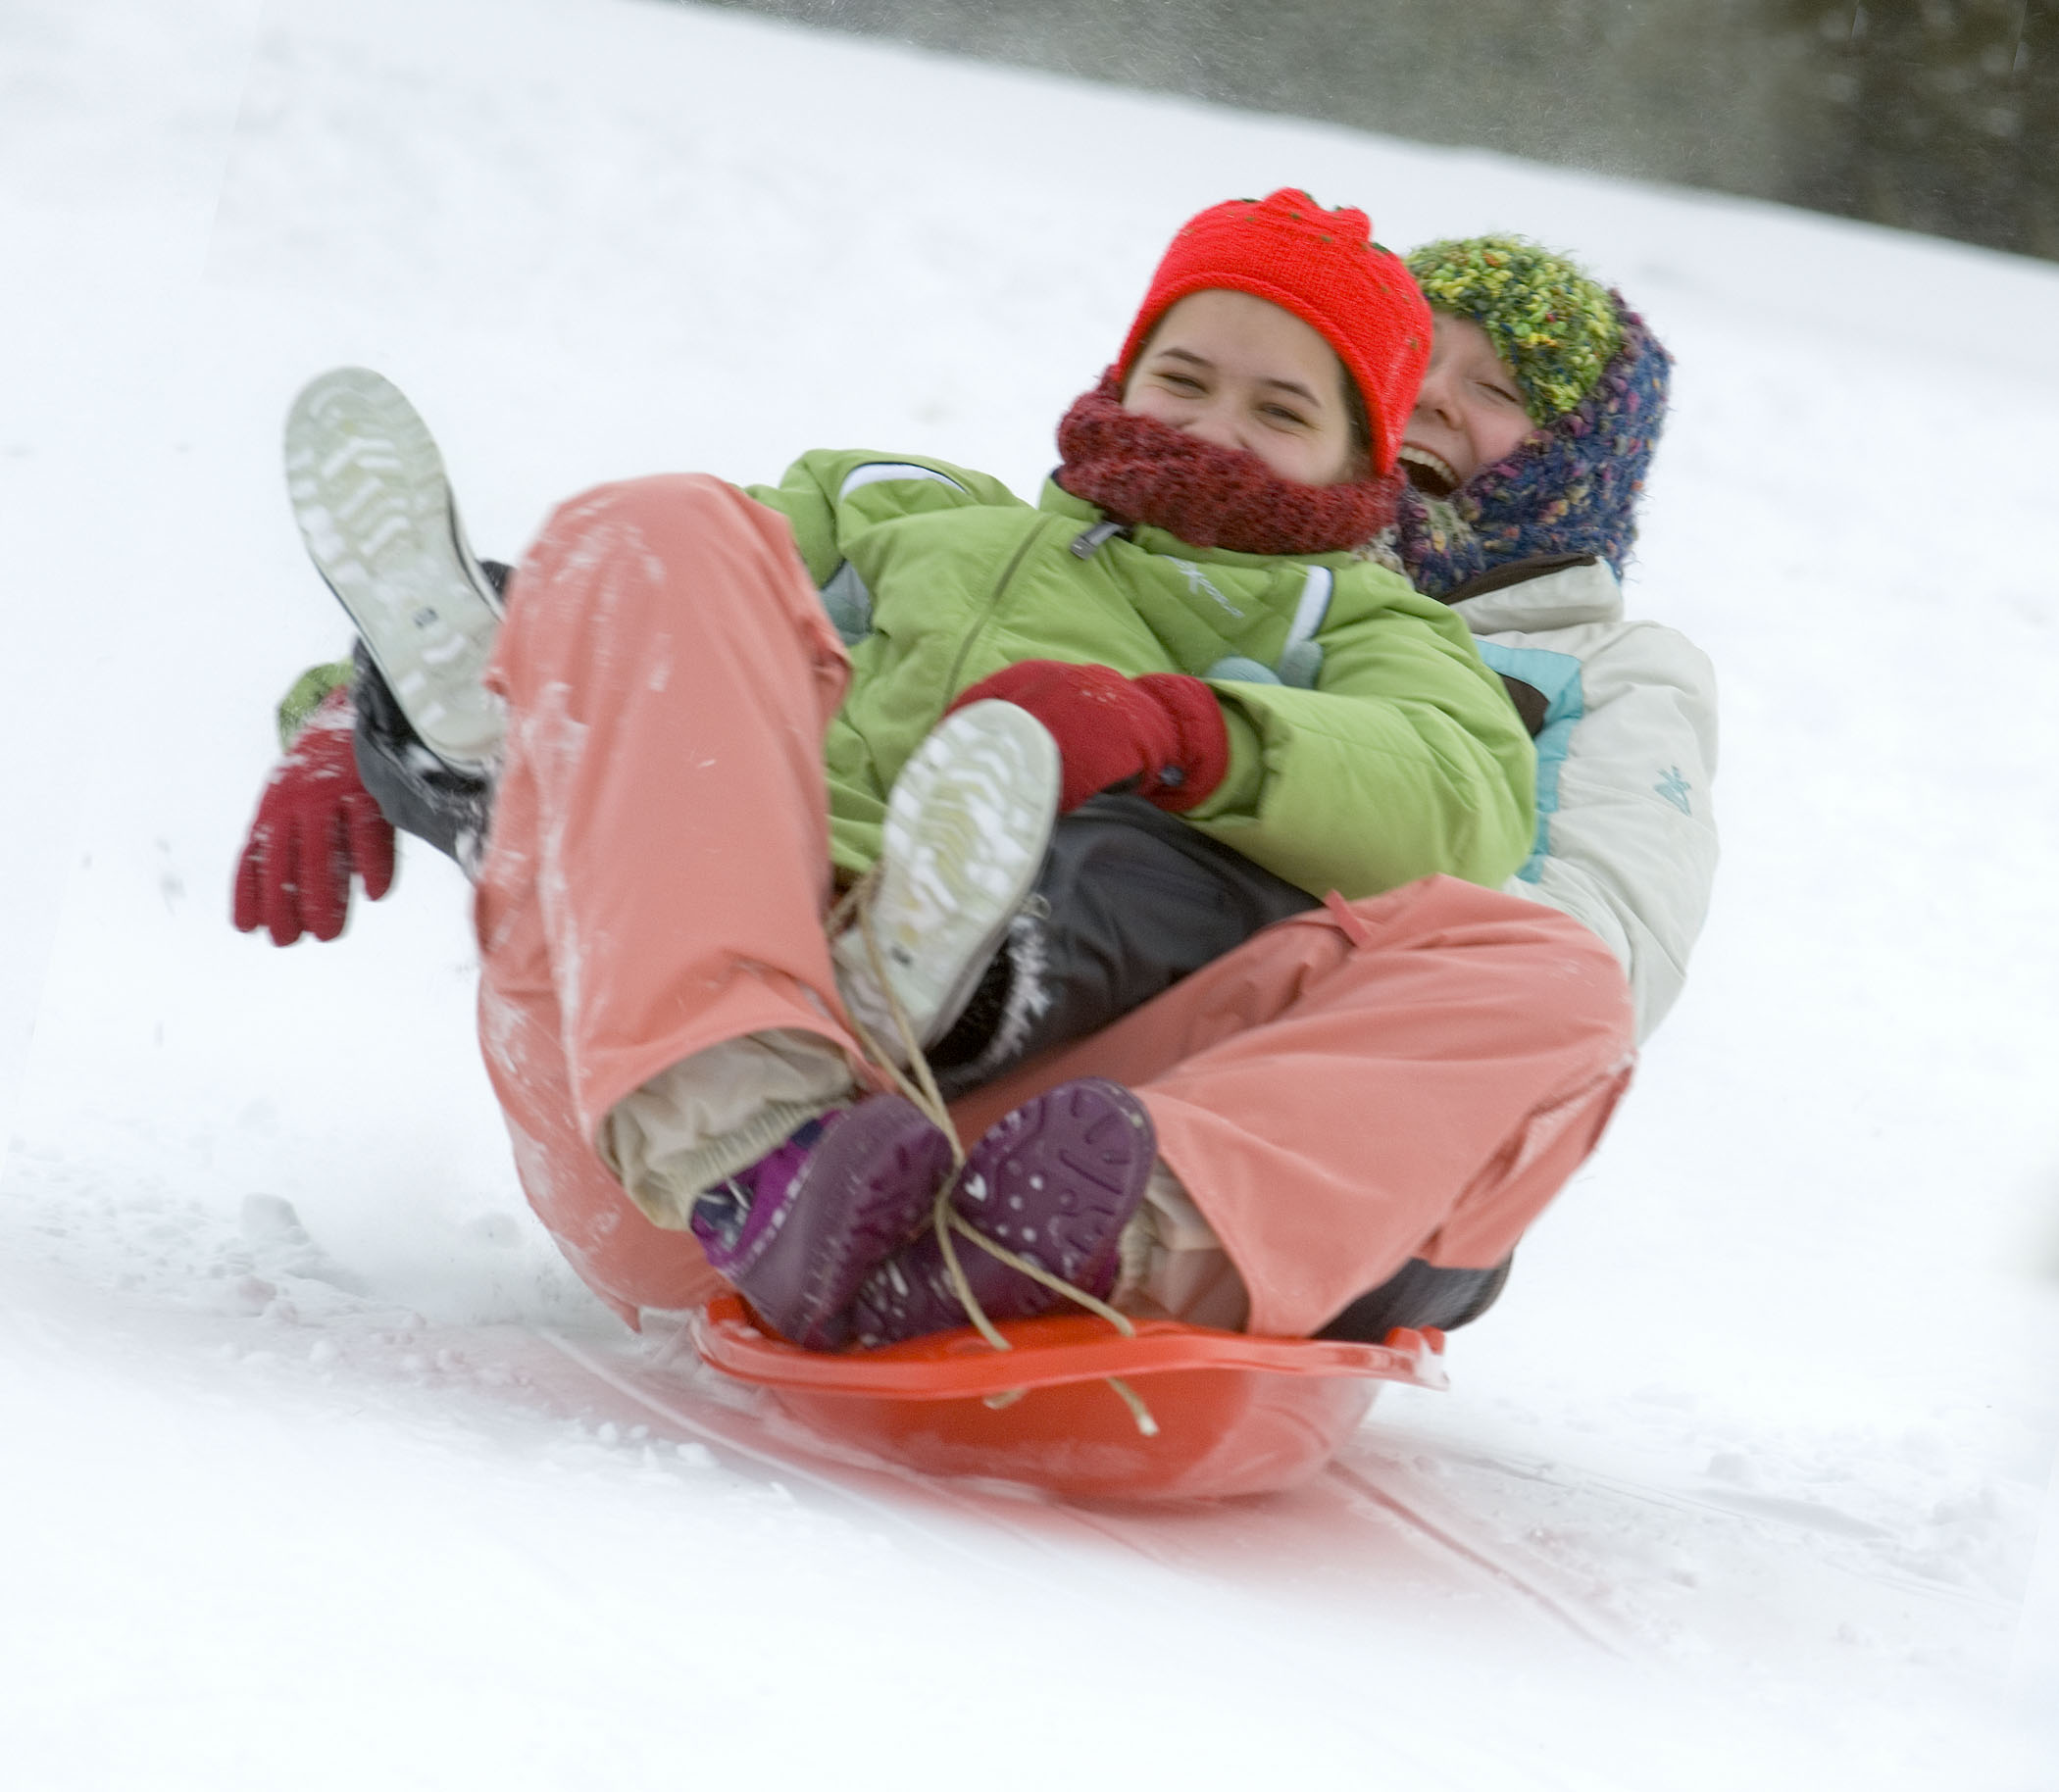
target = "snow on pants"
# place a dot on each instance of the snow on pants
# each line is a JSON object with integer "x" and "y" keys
{"x": 1413, "y": 1075}
{"x": 658, "y": 866}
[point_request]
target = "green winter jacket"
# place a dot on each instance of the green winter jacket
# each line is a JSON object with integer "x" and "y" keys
{"x": 1381, "y": 749}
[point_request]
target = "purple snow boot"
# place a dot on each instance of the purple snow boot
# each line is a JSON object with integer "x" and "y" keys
{"x": 1055, "y": 1182}
{"x": 797, "y": 1231}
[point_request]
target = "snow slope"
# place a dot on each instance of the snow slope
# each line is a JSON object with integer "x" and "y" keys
{"x": 321, "y": 1468}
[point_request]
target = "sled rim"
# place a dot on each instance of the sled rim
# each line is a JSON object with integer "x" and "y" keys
{"x": 1055, "y": 1350}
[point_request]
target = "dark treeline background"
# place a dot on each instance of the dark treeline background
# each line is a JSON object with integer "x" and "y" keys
{"x": 1940, "y": 116}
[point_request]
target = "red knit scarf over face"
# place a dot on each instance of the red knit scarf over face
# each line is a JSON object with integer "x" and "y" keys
{"x": 1141, "y": 470}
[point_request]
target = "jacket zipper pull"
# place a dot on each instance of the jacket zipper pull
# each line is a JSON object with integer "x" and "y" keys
{"x": 1088, "y": 541}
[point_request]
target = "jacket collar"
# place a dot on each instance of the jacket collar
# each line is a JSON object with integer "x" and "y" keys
{"x": 1545, "y": 591}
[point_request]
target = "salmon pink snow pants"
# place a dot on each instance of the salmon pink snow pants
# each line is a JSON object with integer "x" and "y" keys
{"x": 1414, "y": 1074}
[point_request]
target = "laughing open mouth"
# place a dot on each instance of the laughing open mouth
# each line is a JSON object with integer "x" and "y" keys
{"x": 1426, "y": 471}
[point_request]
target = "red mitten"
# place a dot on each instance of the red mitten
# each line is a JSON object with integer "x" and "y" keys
{"x": 1162, "y": 730}
{"x": 316, "y": 824}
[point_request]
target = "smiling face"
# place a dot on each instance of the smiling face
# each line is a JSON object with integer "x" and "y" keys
{"x": 1469, "y": 415}
{"x": 1238, "y": 371}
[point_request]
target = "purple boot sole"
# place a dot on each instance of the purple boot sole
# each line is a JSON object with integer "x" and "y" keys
{"x": 1055, "y": 1182}
{"x": 819, "y": 1222}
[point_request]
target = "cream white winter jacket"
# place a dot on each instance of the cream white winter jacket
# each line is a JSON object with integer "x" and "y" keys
{"x": 1623, "y": 715}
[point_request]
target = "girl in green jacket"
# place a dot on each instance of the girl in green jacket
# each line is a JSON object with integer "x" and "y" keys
{"x": 685, "y": 762}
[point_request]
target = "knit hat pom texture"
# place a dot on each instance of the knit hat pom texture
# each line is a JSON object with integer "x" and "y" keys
{"x": 1555, "y": 327}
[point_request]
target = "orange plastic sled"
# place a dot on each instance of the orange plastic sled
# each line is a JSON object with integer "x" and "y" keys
{"x": 1232, "y": 1413}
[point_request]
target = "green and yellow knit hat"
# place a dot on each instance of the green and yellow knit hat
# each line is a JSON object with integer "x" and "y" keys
{"x": 1554, "y": 326}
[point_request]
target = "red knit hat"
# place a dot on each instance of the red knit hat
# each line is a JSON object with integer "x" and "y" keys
{"x": 1326, "y": 269}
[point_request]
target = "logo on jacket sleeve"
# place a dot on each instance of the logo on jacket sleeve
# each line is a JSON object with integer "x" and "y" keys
{"x": 1675, "y": 788}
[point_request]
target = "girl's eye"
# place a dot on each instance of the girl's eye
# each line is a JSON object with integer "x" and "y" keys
{"x": 1495, "y": 390}
{"x": 1280, "y": 414}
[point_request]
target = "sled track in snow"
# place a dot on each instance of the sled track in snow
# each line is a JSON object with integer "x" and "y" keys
{"x": 1357, "y": 1531}
{"x": 743, "y": 1440}
{"x": 957, "y": 1516}
{"x": 1479, "y": 1554}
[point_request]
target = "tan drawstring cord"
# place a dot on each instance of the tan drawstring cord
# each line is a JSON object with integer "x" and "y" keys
{"x": 855, "y": 907}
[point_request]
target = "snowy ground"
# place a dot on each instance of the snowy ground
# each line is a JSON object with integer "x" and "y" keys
{"x": 1748, "y": 1467}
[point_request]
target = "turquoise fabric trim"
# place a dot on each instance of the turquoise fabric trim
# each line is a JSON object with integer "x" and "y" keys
{"x": 845, "y": 594}
{"x": 1301, "y": 664}
{"x": 1556, "y": 678}
{"x": 1239, "y": 668}
{"x": 1300, "y": 661}
{"x": 849, "y": 603}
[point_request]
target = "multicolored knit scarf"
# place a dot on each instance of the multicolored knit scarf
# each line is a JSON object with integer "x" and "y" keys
{"x": 1141, "y": 470}
{"x": 1570, "y": 487}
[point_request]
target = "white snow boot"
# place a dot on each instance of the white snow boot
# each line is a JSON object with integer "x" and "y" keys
{"x": 966, "y": 831}
{"x": 369, "y": 491}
